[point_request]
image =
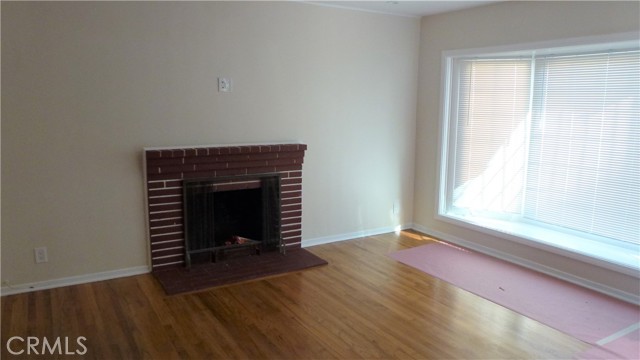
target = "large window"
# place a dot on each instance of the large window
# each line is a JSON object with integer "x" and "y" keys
{"x": 544, "y": 145}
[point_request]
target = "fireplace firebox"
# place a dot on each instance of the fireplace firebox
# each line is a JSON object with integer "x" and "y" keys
{"x": 221, "y": 223}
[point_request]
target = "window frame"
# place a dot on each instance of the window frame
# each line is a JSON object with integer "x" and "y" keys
{"x": 624, "y": 258}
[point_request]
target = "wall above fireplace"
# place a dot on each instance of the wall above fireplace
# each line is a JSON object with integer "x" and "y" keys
{"x": 167, "y": 168}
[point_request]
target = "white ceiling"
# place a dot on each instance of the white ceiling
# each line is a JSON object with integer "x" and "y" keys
{"x": 406, "y": 8}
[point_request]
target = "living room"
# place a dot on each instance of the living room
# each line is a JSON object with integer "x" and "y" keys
{"x": 88, "y": 86}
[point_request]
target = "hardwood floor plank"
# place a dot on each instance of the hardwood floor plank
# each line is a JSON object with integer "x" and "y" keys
{"x": 364, "y": 304}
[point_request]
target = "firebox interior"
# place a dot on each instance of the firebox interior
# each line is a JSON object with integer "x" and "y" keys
{"x": 219, "y": 223}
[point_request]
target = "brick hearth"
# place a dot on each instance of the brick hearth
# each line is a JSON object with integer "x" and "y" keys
{"x": 167, "y": 168}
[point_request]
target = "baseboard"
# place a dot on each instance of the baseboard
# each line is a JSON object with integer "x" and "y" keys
{"x": 352, "y": 235}
{"x": 107, "y": 275}
{"x": 601, "y": 288}
{"x": 73, "y": 280}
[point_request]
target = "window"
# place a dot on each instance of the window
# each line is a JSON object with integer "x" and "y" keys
{"x": 544, "y": 145}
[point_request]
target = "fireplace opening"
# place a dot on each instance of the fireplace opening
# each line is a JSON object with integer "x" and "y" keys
{"x": 239, "y": 216}
{"x": 230, "y": 217}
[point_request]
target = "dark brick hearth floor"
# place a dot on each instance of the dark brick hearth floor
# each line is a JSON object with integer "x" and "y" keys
{"x": 241, "y": 269}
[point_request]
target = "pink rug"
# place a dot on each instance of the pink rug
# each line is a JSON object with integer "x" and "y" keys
{"x": 610, "y": 325}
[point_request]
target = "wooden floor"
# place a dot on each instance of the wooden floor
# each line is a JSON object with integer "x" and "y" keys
{"x": 362, "y": 305}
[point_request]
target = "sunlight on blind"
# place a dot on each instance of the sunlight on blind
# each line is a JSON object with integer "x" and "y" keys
{"x": 493, "y": 102}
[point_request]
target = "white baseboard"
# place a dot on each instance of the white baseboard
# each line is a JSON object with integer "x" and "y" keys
{"x": 352, "y": 235}
{"x": 138, "y": 270}
{"x": 601, "y": 288}
{"x": 107, "y": 275}
{"x": 73, "y": 280}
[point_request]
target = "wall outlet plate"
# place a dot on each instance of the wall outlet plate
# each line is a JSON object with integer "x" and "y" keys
{"x": 41, "y": 255}
{"x": 224, "y": 84}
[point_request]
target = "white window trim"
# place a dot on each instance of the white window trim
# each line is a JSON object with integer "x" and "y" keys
{"x": 620, "y": 258}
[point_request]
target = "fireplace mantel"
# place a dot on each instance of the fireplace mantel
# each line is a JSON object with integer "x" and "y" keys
{"x": 167, "y": 168}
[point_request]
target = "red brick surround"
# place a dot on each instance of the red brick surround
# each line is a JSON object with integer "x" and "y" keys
{"x": 166, "y": 168}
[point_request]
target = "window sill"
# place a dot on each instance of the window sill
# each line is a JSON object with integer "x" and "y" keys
{"x": 624, "y": 259}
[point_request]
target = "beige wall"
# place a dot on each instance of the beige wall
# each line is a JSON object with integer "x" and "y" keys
{"x": 87, "y": 85}
{"x": 497, "y": 25}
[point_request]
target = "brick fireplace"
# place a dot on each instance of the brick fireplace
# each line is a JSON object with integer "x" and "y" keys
{"x": 167, "y": 170}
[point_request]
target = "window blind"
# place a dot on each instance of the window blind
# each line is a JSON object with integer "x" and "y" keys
{"x": 551, "y": 140}
{"x": 584, "y": 156}
{"x": 492, "y": 106}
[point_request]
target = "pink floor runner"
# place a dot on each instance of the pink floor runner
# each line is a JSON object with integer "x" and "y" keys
{"x": 610, "y": 325}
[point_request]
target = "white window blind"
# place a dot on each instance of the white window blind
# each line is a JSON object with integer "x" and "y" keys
{"x": 552, "y": 141}
{"x": 490, "y": 156}
{"x": 584, "y": 162}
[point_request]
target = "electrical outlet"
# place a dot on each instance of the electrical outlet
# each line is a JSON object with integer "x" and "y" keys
{"x": 41, "y": 255}
{"x": 224, "y": 84}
